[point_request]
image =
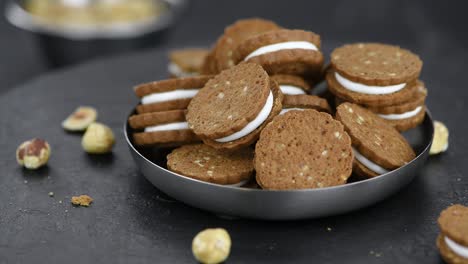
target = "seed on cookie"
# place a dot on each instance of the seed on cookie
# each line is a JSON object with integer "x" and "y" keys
{"x": 205, "y": 163}
{"x": 314, "y": 157}
{"x": 236, "y": 118}
{"x": 373, "y": 156}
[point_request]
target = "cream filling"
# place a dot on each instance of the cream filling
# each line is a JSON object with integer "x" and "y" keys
{"x": 281, "y": 46}
{"x": 168, "y": 127}
{"x": 254, "y": 124}
{"x": 290, "y": 89}
{"x": 402, "y": 116}
{"x": 369, "y": 164}
{"x": 239, "y": 184}
{"x": 175, "y": 70}
{"x": 367, "y": 89}
{"x": 168, "y": 96}
{"x": 285, "y": 110}
{"x": 457, "y": 248}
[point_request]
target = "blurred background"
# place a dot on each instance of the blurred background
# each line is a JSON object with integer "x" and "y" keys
{"x": 436, "y": 30}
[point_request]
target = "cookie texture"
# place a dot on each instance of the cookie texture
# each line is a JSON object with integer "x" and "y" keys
{"x": 157, "y": 118}
{"x": 374, "y": 138}
{"x": 236, "y": 34}
{"x": 453, "y": 222}
{"x": 189, "y": 60}
{"x": 303, "y": 149}
{"x": 229, "y": 101}
{"x": 376, "y": 64}
{"x": 285, "y": 79}
{"x": 208, "y": 164}
{"x": 163, "y": 106}
{"x": 171, "y": 85}
{"x": 380, "y": 100}
{"x": 165, "y": 138}
{"x": 306, "y": 101}
{"x": 362, "y": 171}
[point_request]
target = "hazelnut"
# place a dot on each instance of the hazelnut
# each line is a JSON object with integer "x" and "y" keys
{"x": 33, "y": 153}
{"x": 98, "y": 139}
{"x": 80, "y": 119}
{"x": 440, "y": 141}
{"x": 211, "y": 246}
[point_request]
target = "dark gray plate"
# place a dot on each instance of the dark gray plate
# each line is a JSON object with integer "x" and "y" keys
{"x": 282, "y": 205}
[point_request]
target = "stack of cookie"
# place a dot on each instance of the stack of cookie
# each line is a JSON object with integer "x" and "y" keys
{"x": 251, "y": 113}
{"x": 382, "y": 78}
{"x": 160, "y": 118}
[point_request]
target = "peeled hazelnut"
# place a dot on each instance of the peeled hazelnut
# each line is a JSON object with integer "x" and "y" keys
{"x": 440, "y": 141}
{"x": 211, "y": 246}
{"x": 98, "y": 139}
{"x": 80, "y": 119}
{"x": 33, "y": 153}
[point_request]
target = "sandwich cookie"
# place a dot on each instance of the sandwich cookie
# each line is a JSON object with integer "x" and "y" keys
{"x": 167, "y": 128}
{"x": 284, "y": 51}
{"x": 303, "y": 149}
{"x": 402, "y": 116}
{"x": 234, "y": 106}
{"x": 168, "y": 94}
{"x": 378, "y": 147}
{"x": 186, "y": 62}
{"x": 304, "y": 101}
{"x": 373, "y": 74}
{"x": 204, "y": 163}
{"x": 236, "y": 34}
{"x": 453, "y": 239}
{"x": 291, "y": 84}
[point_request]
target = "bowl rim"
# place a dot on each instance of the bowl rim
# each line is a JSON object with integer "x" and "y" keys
{"x": 16, "y": 15}
{"x": 227, "y": 187}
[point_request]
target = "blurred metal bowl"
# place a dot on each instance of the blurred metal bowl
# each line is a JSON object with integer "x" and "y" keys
{"x": 66, "y": 45}
{"x": 284, "y": 204}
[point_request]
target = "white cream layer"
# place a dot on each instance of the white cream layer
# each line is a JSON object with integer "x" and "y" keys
{"x": 402, "y": 116}
{"x": 369, "y": 164}
{"x": 458, "y": 249}
{"x": 168, "y": 127}
{"x": 281, "y": 46}
{"x": 254, "y": 124}
{"x": 169, "y": 96}
{"x": 239, "y": 184}
{"x": 175, "y": 70}
{"x": 367, "y": 89}
{"x": 291, "y": 89}
{"x": 285, "y": 110}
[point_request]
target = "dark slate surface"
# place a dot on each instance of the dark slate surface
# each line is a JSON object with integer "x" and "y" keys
{"x": 133, "y": 222}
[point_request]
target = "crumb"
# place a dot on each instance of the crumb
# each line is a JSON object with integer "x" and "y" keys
{"x": 60, "y": 201}
{"x": 82, "y": 200}
{"x": 329, "y": 229}
{"x": 51, "y": 194}
{"x": 25, "y": 181}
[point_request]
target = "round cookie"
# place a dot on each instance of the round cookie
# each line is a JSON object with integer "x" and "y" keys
{"x": 291, "y": 84}
{"x": 208, "y": 164}
{"x": 304, "y": 101}
{"x": 377, "y": 145}
{"x": 236, "y": 34}
{"x": 284, "y": 51}
{"x": 303, "y": 149}
{"x": 186, "y": 62}
{"x": 376, "y": 64}
{"x": 410, "y": 122}
{"x": 167, "y": 128}
{"x": 453, "y": 240}
{"x": 233, "y": 107}
{"x": 379, "y": 100}
{"x": 168, "y": 94}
